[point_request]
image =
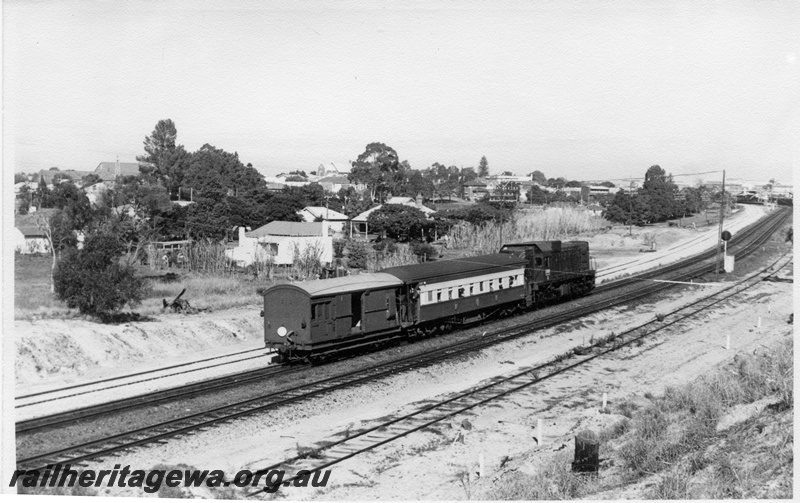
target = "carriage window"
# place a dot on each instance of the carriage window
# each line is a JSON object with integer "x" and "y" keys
{"x": 471, "y": 288}
{"x": 430, "y": 296}
{"x": 510, "y": 281}
{"x": 438, "y": 295}
{"x": 500, "y": 284}
{"x": 547, "y": 261}
{"x": 460, "y": 292}
{"x": 539, "y": 261}
{"x": 450, "y": 293}
{"x": 314, "y": 311}
{"x": 491, "y": 285}
{"x": 481, "y": 286}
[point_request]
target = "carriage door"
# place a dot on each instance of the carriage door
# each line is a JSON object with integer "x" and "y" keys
{"x": 322, "y": 320}
{"x": 344, "y": 315}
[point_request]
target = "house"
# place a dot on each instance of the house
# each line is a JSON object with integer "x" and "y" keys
{"x": 278, "y": 242}
{"x": 48, "y": 175}
{"x": 334, "y": 183}
{"x": 109, "y": 171}
{"x": 336, "y": 221}
{"x": 474, "y": 190}
{"x": 28, "y": 236}
{"x": 359, "y": 226}
{"x": 275, "y": 188}
{"x": 505, "y": 192}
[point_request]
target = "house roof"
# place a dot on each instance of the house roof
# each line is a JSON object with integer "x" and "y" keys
{"x": 324, "y": 213}
{"x": 475, "y": 183}
{"x": 340, "y": 179}
{"x": 108, "y": 170}
{"x": 48, "y": 174}
{"x": 280, "y": 228}
{"x": 28, "y": 224}
{"x": 407, "y": 201}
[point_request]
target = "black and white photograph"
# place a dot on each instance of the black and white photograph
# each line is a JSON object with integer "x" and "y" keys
{"x": 399, "y": 250}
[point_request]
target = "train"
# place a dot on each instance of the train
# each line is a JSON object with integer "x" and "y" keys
{"x": 312, "y": 320}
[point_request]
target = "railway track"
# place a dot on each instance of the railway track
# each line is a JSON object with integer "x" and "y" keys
{"x": 384, "y": 432}
{"x": 748, "y": 240}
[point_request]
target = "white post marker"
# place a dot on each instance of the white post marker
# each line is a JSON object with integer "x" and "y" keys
{"x": 539, "y": 433}
{"x": 759, "y": 322}
{"x": 481, "y": 465}
{"x": 605, "y": 400}
{"x": 727, "y": 341}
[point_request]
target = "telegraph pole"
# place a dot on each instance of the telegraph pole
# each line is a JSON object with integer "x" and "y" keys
{"x": 630, "y": 219}
{"x": 721, "y": 219}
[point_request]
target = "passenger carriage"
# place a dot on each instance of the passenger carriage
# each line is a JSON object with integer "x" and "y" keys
{"x": 315, "y": 318}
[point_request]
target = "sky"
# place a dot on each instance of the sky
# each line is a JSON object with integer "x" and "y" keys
{"x": 584, "y": 90}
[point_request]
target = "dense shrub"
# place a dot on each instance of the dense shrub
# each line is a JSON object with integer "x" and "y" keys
{"x": 92, "y": 279}
{"x": 424, "y": 250}
{"x": 357, "y": 254}
{"x": 399, "y": 222}
{"x": 338, "y": 247}
{"x": 476, "y": 214}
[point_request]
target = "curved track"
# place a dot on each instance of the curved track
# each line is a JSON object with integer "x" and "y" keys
{"x": 376, "y": 435}
{"x": 747, "y": 240}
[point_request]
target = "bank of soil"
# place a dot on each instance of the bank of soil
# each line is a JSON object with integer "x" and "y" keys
{"x": 52, "y": 352}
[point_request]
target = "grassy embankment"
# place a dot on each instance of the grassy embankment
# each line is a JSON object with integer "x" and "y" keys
{"x": 32, "y": 297}
{"x": 676, "y": 448}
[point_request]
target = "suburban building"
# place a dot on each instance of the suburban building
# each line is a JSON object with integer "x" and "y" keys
{"x": 505, "y": 192}
{"x": 474, "y": 190}
{"x": 336, "y": 221}
{"x": 334, "y": 183}
{"x": 48, "y": 175}
{"x": 277, "y": 242}
{"x": 28, "y": 236}
{"x": 109, "y": 171}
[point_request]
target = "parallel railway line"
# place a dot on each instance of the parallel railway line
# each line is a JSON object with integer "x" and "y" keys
{"x": 747, "y": 240}
{"x": 387, "y": 431}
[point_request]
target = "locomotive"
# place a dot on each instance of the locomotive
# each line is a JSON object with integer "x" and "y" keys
{"x": 314, "y": 319}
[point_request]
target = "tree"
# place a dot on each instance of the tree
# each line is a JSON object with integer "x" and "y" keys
{"x": 629, "y": 209}
{"x": 90, "y": 179}
{"x": 483, "y": 168}
{"x": 165, "y": 160}
{"x": 375, "y": 167}
{"x": 93, "y": 280}
{"x": 42, "y": 195}
{"x": 608, "y": 184}
{"x": 398, "y": 221}
{"x": 573, "y": 183}
{"x": 660, "y": 190}
{"x": 58, "y": 231}
{"x": 20, "y": 177}
{"x": 537, "y": 195}
{"x": 538, "y": 177}
{"x": 24, "y": 197}
{"x": 475, "y": 214}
